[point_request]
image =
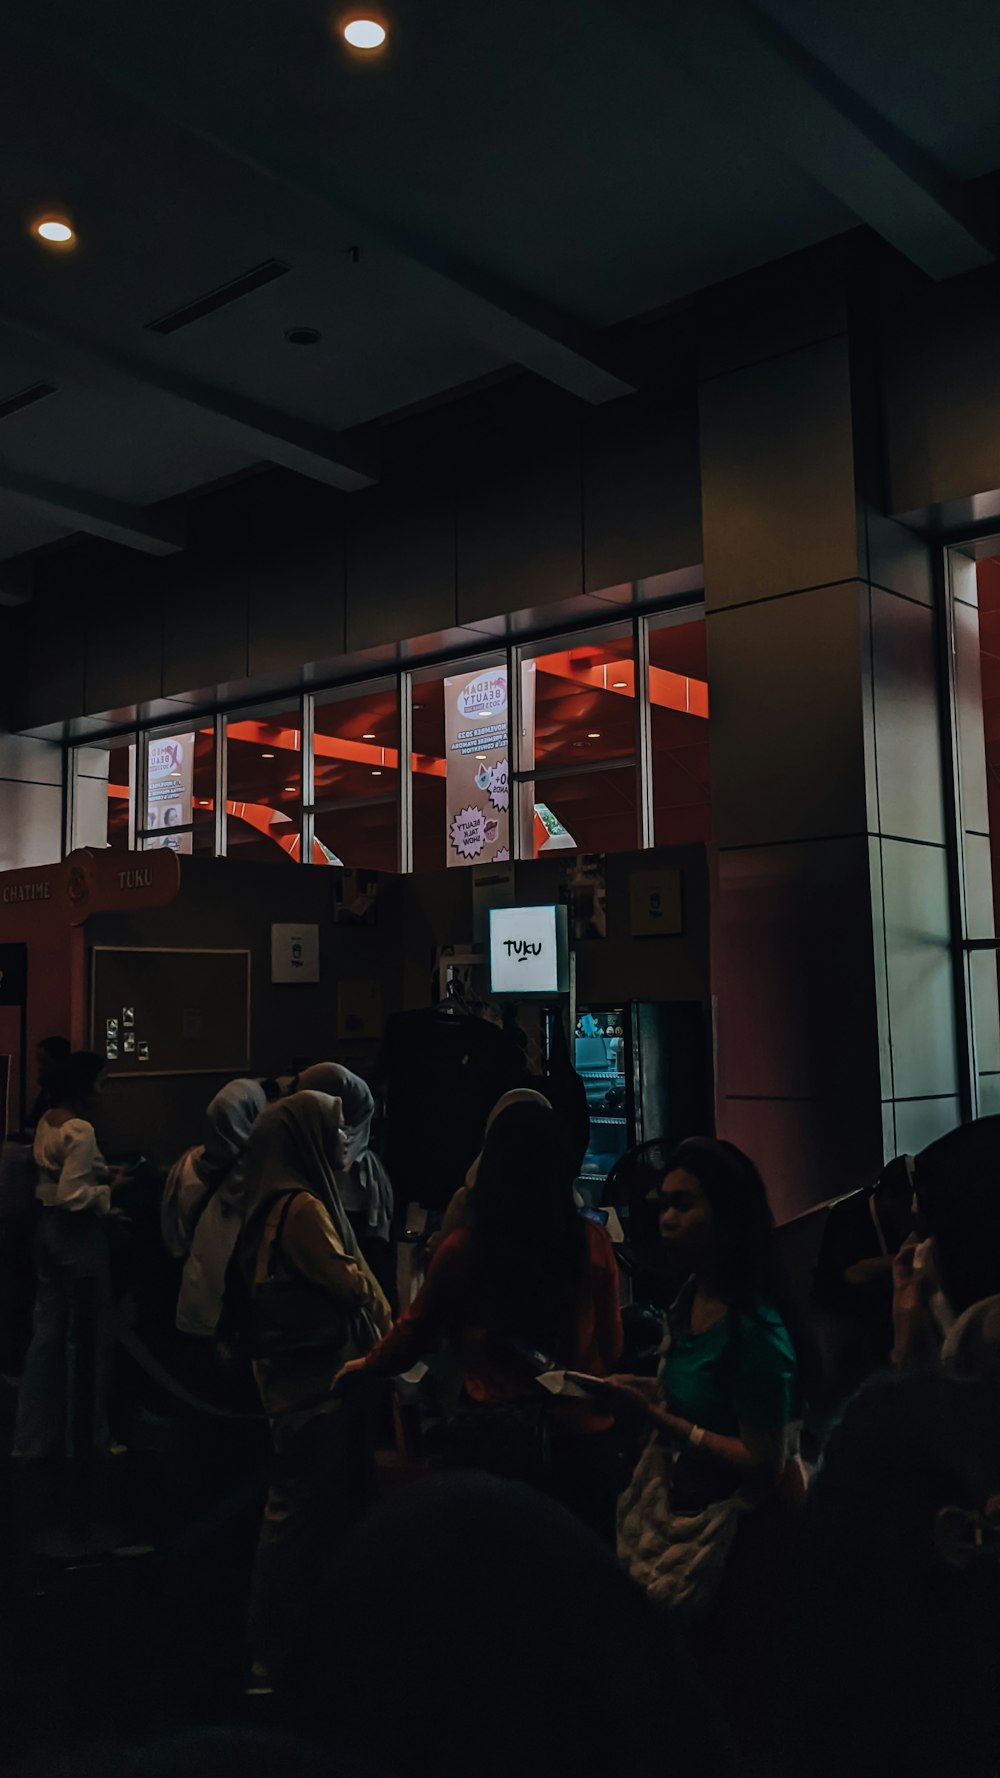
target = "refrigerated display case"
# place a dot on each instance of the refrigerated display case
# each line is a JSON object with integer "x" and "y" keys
{"x": 645, "y": 1068}
{"x": 599, "y": 1055}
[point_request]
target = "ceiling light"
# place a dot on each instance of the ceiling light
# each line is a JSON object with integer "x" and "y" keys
{"x": 619, "y": 684}
{"x": 376, "y": 772}
{"x": 364, "y": 33}
{"x": 56, "y": 230}
{"x": 368, "y": 737}
{"x": 303, "y": 336}
{"x": 480, "y": 756}
{"x": 267, "y": 756}
{"x": 594, "y": 735}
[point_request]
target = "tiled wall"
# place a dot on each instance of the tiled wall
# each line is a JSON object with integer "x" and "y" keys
{"x": 837, "y": 1035}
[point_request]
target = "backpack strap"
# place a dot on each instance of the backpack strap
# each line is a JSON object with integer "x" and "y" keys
{"x": 279, "y": 1232}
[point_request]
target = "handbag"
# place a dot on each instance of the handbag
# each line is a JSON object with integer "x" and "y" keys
{"x": 287, "y": 1315}
{"x": 678, "y": 1558}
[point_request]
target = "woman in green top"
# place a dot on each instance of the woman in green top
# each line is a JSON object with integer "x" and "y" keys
{"x": 724, "y": 1406}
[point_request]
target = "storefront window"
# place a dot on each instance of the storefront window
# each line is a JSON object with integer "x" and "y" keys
{"x": 103, "y": 785}
{"x": 460, "y": 765}
{"x": 975, "y": 609}
{"x": 578, "y": 731}
{"x": 678, "y": 701}
{"x": 357, "y": 778}
{"x": 180, "y": 791}
{"x": 582, "y": 748}
{"x": 264, "y": 784}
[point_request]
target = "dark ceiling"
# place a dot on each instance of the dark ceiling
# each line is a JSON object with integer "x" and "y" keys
{"x": 497, "y": 188}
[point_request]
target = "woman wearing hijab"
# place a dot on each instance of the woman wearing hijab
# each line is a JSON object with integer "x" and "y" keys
{"x": 459, "y": 1212}
{"x": 201, "y": 1214}
{"x": 363, "y": 1183}
{"x": 314, "y": 1306}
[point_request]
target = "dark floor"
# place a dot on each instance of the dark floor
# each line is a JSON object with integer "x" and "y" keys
{"x": 141, "y": 1632}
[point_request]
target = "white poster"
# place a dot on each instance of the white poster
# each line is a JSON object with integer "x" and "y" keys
{"x": 170, "y": 781}
{"x": 477, "y": 741}
{"x": 294, "y": 953}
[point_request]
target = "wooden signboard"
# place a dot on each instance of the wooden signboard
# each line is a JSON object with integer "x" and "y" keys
{"x": 155, "y": 1011}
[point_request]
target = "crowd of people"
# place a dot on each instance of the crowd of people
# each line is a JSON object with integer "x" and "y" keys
{"x": 772, "y": 1546}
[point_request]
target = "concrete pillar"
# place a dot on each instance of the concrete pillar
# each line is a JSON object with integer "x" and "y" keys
{"x": 832, "y": 969}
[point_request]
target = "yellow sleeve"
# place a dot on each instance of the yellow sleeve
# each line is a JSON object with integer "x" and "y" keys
{"x": 311, "y": 1245}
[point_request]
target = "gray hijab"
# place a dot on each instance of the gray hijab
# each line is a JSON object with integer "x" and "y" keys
{"x": 231, "y": 1117}
{"x": 356, "y": 1098}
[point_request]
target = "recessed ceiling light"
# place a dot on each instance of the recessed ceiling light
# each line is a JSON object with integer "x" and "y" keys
{"x": 364, "y": 33}
{"x": 368, "y": 737}
{"x": 303, "y": 336}
{"x": 480, "y": 756}
{"x": 267, "y": 756}
{"x": 56, "y": 230}
{"x": 594, "y": 735}
{"x": 619, "y": 684}
{"x": 377, "y": 772}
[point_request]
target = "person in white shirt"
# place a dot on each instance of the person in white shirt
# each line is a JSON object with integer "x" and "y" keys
{"x": 74, "y": 1190}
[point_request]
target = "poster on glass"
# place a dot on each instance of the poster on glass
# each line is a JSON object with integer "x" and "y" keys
{"x": 478, "y": 800}
{"x": 169, "y": 793}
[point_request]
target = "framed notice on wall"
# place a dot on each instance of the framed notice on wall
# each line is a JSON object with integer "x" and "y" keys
{"x": 155, "y": 1011}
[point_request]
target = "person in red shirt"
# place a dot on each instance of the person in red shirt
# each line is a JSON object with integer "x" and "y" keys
{"x": 529, "y": 1277}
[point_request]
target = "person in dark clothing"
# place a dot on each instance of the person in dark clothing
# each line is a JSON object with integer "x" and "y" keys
{"x": 444, "y": 1070}
{"x": 958, "y": 1199}
{"x": 528, "y": 1276}
{"x": 894, "y": 1644}
{"x": 475, "y": 1628}
{"x": 51, "y": 1059}
{"x": 852, "y": 1287}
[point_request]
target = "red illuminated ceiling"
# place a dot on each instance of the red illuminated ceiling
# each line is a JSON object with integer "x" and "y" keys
{"x": 584, "y": 712}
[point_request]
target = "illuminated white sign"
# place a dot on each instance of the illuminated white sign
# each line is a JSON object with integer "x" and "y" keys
{"x": 527, "y": 950}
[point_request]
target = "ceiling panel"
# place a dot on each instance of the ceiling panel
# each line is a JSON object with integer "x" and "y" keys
{"x": 22, "y": 528}
{"x": 124, "y": 443}
{"x": 932, "y": 69}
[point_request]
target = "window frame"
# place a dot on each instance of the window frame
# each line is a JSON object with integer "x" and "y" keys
{"x": 407, "y": 679}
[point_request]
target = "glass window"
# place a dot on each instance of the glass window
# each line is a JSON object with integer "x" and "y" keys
{"x": 975, "y": 616}
{"x": 460, "y": 761}
{"x": 678, "y": 713}
{"x": 103, "y": 788}
{"x": 356, "y": 778}
{"x": 578, "y": 731}
{"x": 264, "y": 784}
{"x": 180, "y": 791}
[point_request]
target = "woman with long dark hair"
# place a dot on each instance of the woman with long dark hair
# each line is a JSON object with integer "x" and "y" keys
{"x": 530, "y": 1281}
{"x": 706, "y": 1523}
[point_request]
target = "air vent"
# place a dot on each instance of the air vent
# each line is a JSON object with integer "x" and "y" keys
{"x": 257, "y": 276}
{"x": 25, "y": 398}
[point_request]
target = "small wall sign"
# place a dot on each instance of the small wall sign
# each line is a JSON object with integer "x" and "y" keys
{"x": 294, "y": 953}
